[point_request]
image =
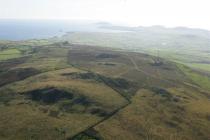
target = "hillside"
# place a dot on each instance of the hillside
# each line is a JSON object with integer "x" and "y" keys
{"x": 57, "y": 90}
{"x": 184, "y": 45}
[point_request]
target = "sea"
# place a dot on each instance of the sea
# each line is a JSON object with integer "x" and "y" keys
{"x": 16, "y": 29}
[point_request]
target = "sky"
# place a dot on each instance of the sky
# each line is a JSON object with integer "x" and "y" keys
{"x": 170, "y": 13}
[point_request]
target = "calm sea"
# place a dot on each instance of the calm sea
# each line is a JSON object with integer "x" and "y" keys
{"x": 39, "y": 29}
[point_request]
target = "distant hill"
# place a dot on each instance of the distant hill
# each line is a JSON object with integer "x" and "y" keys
{"x": 159, "y": 28}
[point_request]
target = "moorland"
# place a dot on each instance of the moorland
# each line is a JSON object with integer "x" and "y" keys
{"x": 149, "y": 84}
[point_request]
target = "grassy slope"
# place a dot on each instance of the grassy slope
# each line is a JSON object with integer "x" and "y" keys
{"x": 185, "y": 109}
{"x": 201, "y": 80}
{"x": 151, "y": 117}
{"x": 107, "y": 99}
{"x": 51, "y": 122}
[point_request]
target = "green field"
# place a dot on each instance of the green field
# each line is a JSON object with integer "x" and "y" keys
{"x": 9, "y": 54}
{"x": 201, "y": 80}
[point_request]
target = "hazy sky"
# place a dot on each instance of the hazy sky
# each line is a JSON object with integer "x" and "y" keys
{"x": 191, "y": 13}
